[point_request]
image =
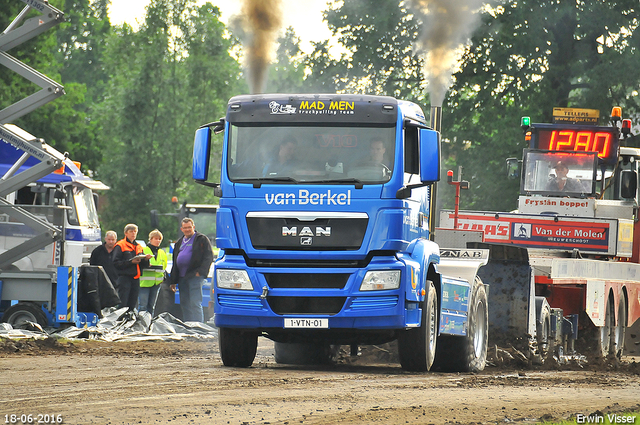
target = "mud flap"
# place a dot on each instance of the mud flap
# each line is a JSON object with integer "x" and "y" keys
{"x": 632, "y": 340}
{"x": 512, "y": 313}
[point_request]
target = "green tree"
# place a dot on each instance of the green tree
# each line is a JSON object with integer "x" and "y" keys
{"x": 168, "y": 78}
{"x": 287, "y": 74}
{"x": 378, "y": 37}
{"x": 81, "y": 46}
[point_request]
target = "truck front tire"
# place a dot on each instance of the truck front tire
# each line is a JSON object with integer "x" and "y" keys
{"x": 237, "y": 347}
{"x": 417, "y": 346}
{"x": 467, "y": 353}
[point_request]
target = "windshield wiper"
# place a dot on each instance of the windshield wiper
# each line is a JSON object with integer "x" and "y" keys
{"x": 258, "y": 181}
{"x": 358, "y": 183}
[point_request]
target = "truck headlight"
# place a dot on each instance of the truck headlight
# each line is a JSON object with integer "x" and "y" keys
{"x": 233, "y": 279}
{"x": 377, "y": 280}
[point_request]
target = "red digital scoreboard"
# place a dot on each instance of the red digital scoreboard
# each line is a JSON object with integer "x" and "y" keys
{"x": 603, "y": 140}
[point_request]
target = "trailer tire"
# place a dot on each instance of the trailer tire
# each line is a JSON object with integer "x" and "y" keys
{"x": 417, "y": 346}
{"x": 19, "y": 314}
{"x": 620, "y": 330}
{"x": 467, "y": 353}
{"x": 303, "y": 353}
{"x": 237, "y": 347}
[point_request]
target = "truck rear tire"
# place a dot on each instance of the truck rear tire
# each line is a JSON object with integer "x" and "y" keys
{"x": 417, "y": 346}
{"x": 237, "y": 347}
{"x": 302, "y": 353}
{"x": 597, "y": 340}
{"x": 467, "y": 353}
{"x": 605, "y": 335}
{"x": 620, "y": 330}
{"x": 19, "y": 314}
{"x": 543, "y": 338}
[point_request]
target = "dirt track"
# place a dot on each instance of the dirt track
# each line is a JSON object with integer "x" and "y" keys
{"x": 185, "y": 383}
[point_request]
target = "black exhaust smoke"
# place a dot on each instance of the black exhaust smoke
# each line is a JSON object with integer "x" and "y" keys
{"x": 447, "y": 25}
{"x": 258, "y": 27}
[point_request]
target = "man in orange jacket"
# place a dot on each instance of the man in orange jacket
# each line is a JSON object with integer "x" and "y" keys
{"x": 129, "y": 260}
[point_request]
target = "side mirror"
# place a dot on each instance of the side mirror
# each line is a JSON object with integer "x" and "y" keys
{"x": 513, "y": 168}
{"x": 628, "y": 184}
{"x": 201, "y": 151}
{"x": 429, "y": 142}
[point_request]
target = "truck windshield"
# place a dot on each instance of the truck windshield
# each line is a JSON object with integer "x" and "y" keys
{"x": 311, "y": 154}
{"x": 560, "y": 174}
{"x": 83, "y": 211}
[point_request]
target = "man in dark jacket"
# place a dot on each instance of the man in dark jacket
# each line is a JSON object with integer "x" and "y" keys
{"x": 101, "y": 256}
{"x": 192, "y": 258}
{"x": 129, "y": 260}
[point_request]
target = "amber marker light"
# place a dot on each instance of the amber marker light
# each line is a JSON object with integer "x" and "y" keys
{"x": 616, "y": 113}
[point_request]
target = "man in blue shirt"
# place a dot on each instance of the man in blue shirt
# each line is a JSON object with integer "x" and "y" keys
{"x": 192, "y": 258}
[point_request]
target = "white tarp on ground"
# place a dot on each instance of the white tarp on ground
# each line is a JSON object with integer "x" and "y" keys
{"x": 119, "y": 325}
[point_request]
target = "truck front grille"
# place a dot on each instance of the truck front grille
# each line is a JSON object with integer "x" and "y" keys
{"x": 307, "y": 280}
{"x": 306, "y": 305}
{"x": 322, "y": 234}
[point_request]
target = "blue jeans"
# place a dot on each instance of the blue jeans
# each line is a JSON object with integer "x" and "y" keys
{"x": 191, "y": 298}
{"x": 147, "y": 298}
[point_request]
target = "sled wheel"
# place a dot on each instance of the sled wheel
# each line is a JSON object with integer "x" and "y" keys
{"x": 417, "y": 346}
{"x": 237, "y": 347}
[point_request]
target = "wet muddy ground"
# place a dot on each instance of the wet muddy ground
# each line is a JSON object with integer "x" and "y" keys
{"x": 184, "y": 382}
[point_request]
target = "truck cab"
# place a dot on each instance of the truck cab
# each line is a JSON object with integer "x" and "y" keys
{"x": 324, "y": 226}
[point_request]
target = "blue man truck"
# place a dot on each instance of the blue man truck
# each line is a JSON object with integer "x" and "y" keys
{"x": 324, "y": 226}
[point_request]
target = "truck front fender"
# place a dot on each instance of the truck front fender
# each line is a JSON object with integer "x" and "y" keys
{"x": 420, "y": 255}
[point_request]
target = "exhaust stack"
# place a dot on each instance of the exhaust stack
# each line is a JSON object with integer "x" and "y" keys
{"x": 436, "y": 118}
{"x": 436, "y": 124}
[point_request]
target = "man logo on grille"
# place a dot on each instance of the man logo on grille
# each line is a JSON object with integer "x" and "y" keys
{"x": 306, "y": 231}
{"x": 306, "y": 241}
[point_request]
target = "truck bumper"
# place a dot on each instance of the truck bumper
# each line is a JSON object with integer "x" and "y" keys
{"x": 321, "y": 298}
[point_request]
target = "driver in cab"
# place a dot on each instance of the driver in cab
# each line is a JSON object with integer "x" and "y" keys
{"x": 562, "y": 183}
{"x": 377, "y": 152}
{"x": 284, "y": 159}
